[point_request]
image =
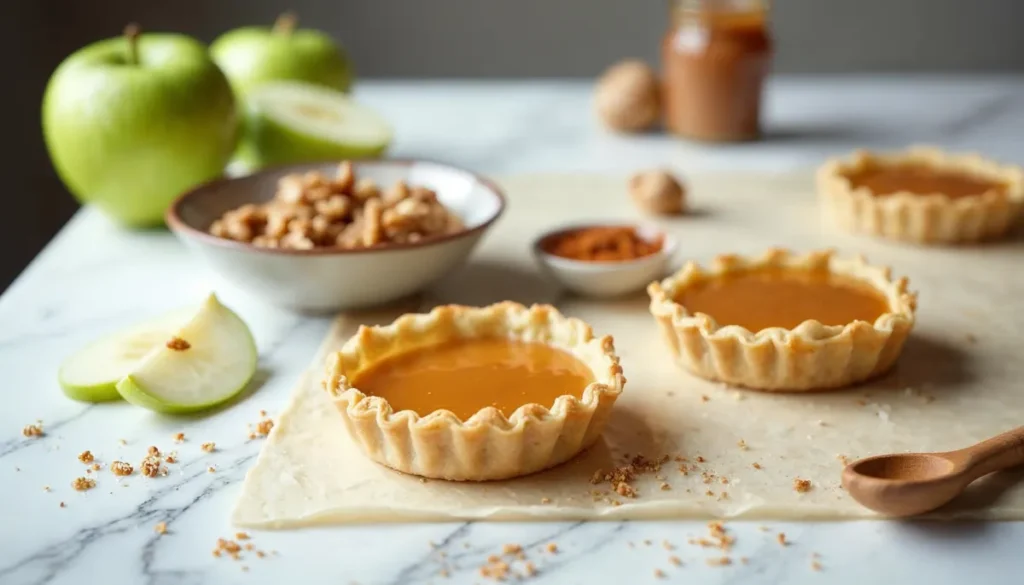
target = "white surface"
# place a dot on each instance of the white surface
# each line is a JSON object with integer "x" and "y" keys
{"x": 94, "y": 278}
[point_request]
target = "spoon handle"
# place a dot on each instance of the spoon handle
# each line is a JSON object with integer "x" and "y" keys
{"x": 999, "y": 452}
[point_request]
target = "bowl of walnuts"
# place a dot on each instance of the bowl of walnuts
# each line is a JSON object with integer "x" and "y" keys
{"x": 325, "y": 237}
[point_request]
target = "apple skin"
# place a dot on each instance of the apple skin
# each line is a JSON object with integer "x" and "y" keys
{"x": 253, "y": 55}
{"x": 129, "y": 137}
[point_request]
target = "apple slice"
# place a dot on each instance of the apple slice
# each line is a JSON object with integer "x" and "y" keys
{"x": 206, "y": 362}
{"x": 92, "y": 373}
{"x": 291, "y": 122}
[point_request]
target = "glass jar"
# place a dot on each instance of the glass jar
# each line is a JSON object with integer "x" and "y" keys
{"x": 715, "y": 58}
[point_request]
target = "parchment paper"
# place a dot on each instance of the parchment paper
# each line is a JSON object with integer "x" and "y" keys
{"x": 960, "y": 380}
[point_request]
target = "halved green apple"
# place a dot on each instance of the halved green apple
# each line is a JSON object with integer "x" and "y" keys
{"x": 205, "y": 363}
{"x": 92, "y": 373}
{"x": 289, "y": 122}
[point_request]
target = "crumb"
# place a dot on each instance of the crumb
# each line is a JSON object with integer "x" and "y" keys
{"x": 179, "y": 438}
{"x": 511, "y": 549}
{"x": 704, "y": 398}
{"x": 263, "y": 427}
{"x": 209, "y": 447}
{"x": 756, "y": 465}
{"x": 245, "y": 568}
{"x": 843, "y": 459}
{"x": 709, "y": 494}
{"x": 83, "y": 483}
{"x": 86, "y": 457}
{"x": 665, "y": 486}
{"x": 647, "y": 542}
{"x": 171, "y": 459}
{"x": 46, "y": 488}
{"x": 63, "y": 505}
{"x": 211, "y": 469}
{"x": 121, "y": 468}
{"x": 153, "y": 451}
{"x": 545, "y": 500}
{"x": 742, "y": 444}
{"x": 31, "y": 431}
{"x": 861, "y": 402}
{"x": 530, "y": 569}
{"x": 95, "y": 467}
{"x": 744, "y": 560}
{"x": 260, "y": 554}
{"x": 815, "y": 566}
{"x": 801, "y": 485}
{"x": 161, "y": 528}
{"x": 675, "y": 561}
{"x": 659, "y": 574}
{"x": 551, "y": 548}
{"x": 667, "y": 545}
{"x": 248, "y": 546}
{"x": 178, "y": 344}
{"x": 720, "y": 562}
{"x": 764, "y": 528}
{"x": 150, "y": 466}
{"x": 122, "y": 442}
{"x": 700, "y": 459}
{"x": 443, "y": 573}
{"x": 263, "y": 414}
{"x": 241, "y": 536}
{"x": 781, "y": 538}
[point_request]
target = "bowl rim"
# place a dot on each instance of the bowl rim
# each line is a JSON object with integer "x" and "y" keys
{"x": 178, "y": 225}
{"x": 668, "y": 247}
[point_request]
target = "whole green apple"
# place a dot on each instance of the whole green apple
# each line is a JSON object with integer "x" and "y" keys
{"x": 132, "y": 122}
{"x": 253, "y": 55}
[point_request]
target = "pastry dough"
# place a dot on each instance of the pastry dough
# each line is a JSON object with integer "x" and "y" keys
{"x": 957, "y": 382}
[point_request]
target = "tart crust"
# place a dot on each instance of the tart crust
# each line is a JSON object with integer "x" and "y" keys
{"x": 488, "y": 445}
{"x": 923, "y": 219}
{"x": 811, "y": 356}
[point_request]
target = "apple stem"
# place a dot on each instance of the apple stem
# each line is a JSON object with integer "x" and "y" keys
{"x": 285, "y": 24}
{"x": 131, "y": 33}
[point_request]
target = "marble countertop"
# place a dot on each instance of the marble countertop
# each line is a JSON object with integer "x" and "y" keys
{"x": 94, "y": 278}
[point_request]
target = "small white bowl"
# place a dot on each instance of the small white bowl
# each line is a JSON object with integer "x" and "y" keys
{"x": 330, "y": 279}
{"x": 605, "y": 279}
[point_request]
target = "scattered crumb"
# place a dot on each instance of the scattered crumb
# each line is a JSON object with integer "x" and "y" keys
{"x": 815, "y": 566}
{"x": 545, "y": 500}
{"x": 211, "y": 469}
{"x": 720, "y": 562}
{"x": 121, "y": 468}
{"x": 260, "y": 554}
{"x": 742, "y": 444}
{"x": 178, "y": 344}
{"x": 704, "y": 398}
{"x": 665, "y": 486}
{"x": 700, "y": 459}
{"x": 245, "y": 568}
{"x": 46, "y": 488}
{"x": 241, "y": 536}
{"x": 764, "y": 528}
{"x": 153, "y": 451}
{"x": 248, "y": 546}
{"x": 756, "y": 465}
{"x": 843, "y": 459}
{"x": 744, "y": 560}
{"x": 86, "y": 457}
{"x": 83, "y": 483}
{"x": 172, "y": 458}
{"x": 551, "y": 548}
{"x": 179, "y": 438}
{"x": 802, "y": 485}
{"x": 675, "y": 561}
{"x": 95, "y": 467}
{"x": 529, "y": 569}
{"x": 781, "y": 538}
{"x": 63, "y": 505}
{"x": 33, "y": 431}
{"x": 262, "y": 428}
{"x": 659, "y": 574}
{"x": 122, "y": 442}
{"x": 161, "y": 528}
{"x": 647, "y": 542}
{"x": 667, "y": 545}
{"x": 511, "y": 549}
{"x": 151, "y": 466}
{"x": 209, "y": 447}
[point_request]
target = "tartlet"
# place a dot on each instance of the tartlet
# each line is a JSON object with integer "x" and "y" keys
{"x": 934, "y": 217}
{"x": 487, "y": 445}
{"x": 807, "y": 356}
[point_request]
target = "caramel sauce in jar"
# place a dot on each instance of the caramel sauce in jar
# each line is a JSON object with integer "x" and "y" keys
{"x": 715, "y": 58}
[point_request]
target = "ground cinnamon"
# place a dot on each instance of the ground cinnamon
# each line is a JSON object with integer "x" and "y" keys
{"x": 603, "y": 244}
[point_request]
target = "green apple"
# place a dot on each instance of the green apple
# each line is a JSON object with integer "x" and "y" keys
{"x": 208, "y": 361}
{"x": 91, "y": 374}
{"x": 290, "y": 122}
{"x": 254, "y": 55}
{"x": 132, "y": 122}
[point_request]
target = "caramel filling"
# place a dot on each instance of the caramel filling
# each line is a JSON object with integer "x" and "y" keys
{"x": 763, "y": 298}
{"x": 465, "y": 376}
{"x": 921, "y": 179}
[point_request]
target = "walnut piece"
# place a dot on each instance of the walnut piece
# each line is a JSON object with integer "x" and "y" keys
{"x": 628, "y": 97}
{"x": 658, "y": 192}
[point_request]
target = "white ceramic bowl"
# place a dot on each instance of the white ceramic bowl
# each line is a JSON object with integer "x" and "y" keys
{"x": 605, "y": 279}
{"x": 323, "y": 280}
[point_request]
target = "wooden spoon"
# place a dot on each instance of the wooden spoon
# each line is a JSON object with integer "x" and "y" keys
{"x": 914, "y": 483}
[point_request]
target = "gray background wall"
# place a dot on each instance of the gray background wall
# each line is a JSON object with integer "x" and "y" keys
{"x": 470, "y": 38}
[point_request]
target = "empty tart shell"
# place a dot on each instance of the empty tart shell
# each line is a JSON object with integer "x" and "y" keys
{"x": 922, "y": 218}
{"x": 810, "y": 356}
{"x": 488, "y": 445}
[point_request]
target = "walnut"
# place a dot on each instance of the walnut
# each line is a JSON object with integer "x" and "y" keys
{"x": 658, "y": 192}
{"x": 628, "y": 97}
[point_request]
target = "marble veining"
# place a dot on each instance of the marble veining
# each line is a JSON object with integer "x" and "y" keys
{"x": 94, "y": 278}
